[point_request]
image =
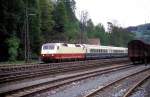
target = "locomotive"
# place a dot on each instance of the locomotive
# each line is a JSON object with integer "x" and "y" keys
{"x": 139, "y": 51}
{"x": 54, "y": 52}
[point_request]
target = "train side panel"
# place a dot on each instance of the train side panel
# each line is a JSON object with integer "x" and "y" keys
{"x": 61, "y": 51}
{"x": 71, "y": 52}
{"x": 101, "y": 52}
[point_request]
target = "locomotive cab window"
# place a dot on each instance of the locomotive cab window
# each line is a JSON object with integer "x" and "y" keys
{"x": 48, "y": 47}
{"x": 51, "y": 47}
{"x": 45, "y": 47}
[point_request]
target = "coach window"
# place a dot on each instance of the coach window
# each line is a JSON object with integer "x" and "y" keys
{"x": 111, "y": 51}
{"x": 116, "y": 51}
{"x": 91, "y": 51}
{"x": 102, "y": 51}
{"x": 95, "y": 50}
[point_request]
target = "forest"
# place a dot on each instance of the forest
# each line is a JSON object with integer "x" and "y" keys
{"x": 30, "y": 23}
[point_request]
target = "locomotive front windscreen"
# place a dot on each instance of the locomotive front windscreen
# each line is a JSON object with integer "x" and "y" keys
{"x": 46, "y": 47}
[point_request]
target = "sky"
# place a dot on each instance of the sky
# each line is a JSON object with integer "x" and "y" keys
{"x": 123, "y": 13}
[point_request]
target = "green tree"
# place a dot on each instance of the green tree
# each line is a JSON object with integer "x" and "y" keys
{"x": 72, "y": 24}
{"x": 101, "y": 34}
{"x": 60, "y": 16}
{"x": 66, "y": 24}
{"x": 47, "y": 23}
{"x": 97, "y": 31}
{"x": 90, "y": 29}
{"x": 11, "y": 22}
{"x": 120, "y": 36}
{"x": 13, "y": 45}
{"x": 35, "y": 36}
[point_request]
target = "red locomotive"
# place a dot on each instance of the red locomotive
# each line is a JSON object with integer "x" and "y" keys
{"x": 139, "y": 51}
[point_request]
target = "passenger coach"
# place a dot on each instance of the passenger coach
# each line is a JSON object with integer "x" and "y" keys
{"x": 100, "y": 52}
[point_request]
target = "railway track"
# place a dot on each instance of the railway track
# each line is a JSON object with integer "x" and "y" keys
{"x": 34, "y": 88}
{"x": 17, "y": 67}
{"x": 134, "y": 80}
{"x": 131, "y": 90}
{"x": 15, "y": 73}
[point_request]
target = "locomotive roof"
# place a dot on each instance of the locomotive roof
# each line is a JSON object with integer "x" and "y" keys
{"x": 86, "y": 45}
{"x": 67, "y": 44}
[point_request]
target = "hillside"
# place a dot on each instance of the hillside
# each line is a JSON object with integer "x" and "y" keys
{"x": 142, "y": 31}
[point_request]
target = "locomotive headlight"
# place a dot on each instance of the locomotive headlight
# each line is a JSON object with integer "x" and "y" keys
{"x": 43, "y": 54}
{"x": 52, "y": 55}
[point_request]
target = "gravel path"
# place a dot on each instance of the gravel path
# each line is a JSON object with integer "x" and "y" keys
{"x": 143, "y": 90}
{"x": 80, "y": 88}
{"x": 120, "y": 88}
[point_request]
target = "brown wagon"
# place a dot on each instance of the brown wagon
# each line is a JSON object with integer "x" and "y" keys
{"x": 138, "y": 51}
